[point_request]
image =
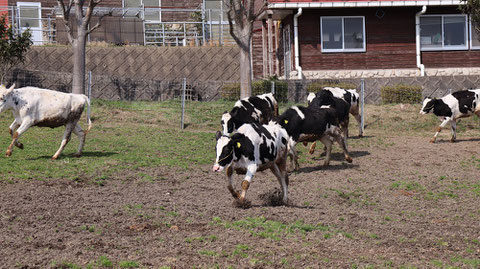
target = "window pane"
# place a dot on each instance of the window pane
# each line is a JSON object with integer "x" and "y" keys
{"x": 431, "y": 32}
{"x": 151, "y": 13}
{"x": 332, "y": 33}
{"x": 29, "y": 16}
{"x": 133, "y": 3}
{"x": 475, "y": 37}
{"x": 454, "y": 30}
{"x": 353, "y": 33}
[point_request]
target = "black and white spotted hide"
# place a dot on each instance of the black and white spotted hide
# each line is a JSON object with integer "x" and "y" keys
{"x": 254, "y": 147}
{"x": 261, "y": 109}
{"x": 348, "y": 95}
{"x": 452, "y": 107}
{"x": 306, "y": 124}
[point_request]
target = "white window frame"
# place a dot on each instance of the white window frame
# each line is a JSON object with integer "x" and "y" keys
{"x": 443, "y": 47}
{"x": 343, "y": 49}
{"x": 472, "y": 47}
{"x": 142, "y": 5}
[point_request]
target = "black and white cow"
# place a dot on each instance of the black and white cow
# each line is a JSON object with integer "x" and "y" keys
{"x": 348, "y": 95}
{"x": 261, "y": 108}
{"x": 306, "y": 124}
{"x": 33, "y": 106}
{"x": 451, "y": 107}
{"x": 254, "y": 147}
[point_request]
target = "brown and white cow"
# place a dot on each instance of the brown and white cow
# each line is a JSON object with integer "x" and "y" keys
{"x": 33, "y": 106}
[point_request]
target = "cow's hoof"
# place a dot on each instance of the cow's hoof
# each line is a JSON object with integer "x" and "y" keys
{"x": 432, "y": 141}
{"x": 360, "y": 135}
{"x": 8, "y": 153}
{"x": 242, "y": 203}
{"x": 311, "y": 151}
{"x": 77, "y": 155}
{"x": 305, "y": 143}
{"x": 19, "y": 145}
{"x": 349, "y": 159}
{"x": 452, "y": 140}
{"x": 54, "y": 157}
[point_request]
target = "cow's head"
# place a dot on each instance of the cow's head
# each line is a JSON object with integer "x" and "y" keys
{"x": 227, "y": 123}
{"x": 4, "y": 94}
{"x": 225, "y": 150}
{"x": 428, "y": 104}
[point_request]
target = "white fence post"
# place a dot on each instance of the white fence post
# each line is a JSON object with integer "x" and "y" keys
{"x": 184, "y": 88}
{"x": 362, "y": 98}
{"x": 89, "y": 92}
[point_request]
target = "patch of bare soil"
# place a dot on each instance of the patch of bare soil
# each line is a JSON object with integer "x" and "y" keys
{"x": 403, "y": 201}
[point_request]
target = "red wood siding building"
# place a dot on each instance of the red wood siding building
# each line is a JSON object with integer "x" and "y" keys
{"x": 389, "y": 35}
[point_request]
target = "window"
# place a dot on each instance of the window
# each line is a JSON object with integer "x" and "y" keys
{"x": 474, "y": 37}
{"x": 342, "y": 34}
{"x": 443, "y": 32}
{"x": 152, "y": 12}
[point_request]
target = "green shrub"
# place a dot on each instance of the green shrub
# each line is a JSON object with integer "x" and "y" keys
{"x": 401, "y": 93}
{"x": 231, "y": 91}
{"x": 318, "y": 86}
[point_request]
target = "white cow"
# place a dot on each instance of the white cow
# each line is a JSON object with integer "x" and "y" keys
{"x": 33, "y": 106}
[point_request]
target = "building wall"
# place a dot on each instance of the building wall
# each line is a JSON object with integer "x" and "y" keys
{"x": 390, "y": 42}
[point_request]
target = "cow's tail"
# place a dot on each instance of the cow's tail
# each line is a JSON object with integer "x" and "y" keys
{"x": 89, "y": 120}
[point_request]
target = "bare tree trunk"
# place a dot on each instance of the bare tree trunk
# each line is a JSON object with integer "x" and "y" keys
{"x": 245, "y": 74}
{"x": 78, "y": 46}
{"x": 82, "y": 20}
{"x": 241, "y": 16}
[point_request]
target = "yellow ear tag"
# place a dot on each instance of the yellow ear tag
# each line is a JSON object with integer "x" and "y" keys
{"x": 286, "y": 121}
{"x": 239, "y": 145}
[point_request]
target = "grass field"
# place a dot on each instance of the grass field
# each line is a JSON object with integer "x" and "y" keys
{"x": 143, "y": 196}
{"x": 129, "y": 135}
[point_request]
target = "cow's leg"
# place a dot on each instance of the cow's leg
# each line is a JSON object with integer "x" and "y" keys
{"x": 78, "y": 131}
{"x": 439, "y": 129}
{"x": 312, "y": 147}
{"x": 343, "y": 145}
{"x": 12, "y": 129}
{"x": 292, "y": 152}
{"x": 277, "y": 171}
{"x": 229, "y": 174}
{"x": 328, "y": 145}
{"x": 16, "y": 135}
{"x": 251, "y": 169}
{"x": 359, "y": 121}
{"x": 453, "y": 126}
{"x": 66, "y": 137}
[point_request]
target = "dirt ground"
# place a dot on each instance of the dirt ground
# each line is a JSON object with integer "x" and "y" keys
{"x": 402, "y": 202}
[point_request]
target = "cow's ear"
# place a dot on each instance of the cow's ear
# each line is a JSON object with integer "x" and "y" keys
{"x": 9, "y": 90}
{"x": 218, "y": 134}
{"x": 237, "y": 140}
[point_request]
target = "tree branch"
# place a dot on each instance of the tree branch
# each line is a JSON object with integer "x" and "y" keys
{"x": 66, "y": 18}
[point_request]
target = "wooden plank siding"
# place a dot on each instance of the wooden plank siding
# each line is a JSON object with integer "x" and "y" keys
{"x": 390, "y": 41}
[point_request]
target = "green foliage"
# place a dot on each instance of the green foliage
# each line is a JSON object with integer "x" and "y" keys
{"x": 12, "y": 47}
{"x": 401, "y": 93}
{"x": 318, "y": 86}
{"x": 231, "y": 91}
{"x": 472, "y": 8}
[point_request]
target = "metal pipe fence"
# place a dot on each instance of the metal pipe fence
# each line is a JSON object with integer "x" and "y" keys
{"x": 156, "y": 26}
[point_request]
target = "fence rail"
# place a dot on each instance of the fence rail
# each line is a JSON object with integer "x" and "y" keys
{"x": 157, "y": 26}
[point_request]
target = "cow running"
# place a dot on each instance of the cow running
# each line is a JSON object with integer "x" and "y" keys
{"x": 33, "y": 106}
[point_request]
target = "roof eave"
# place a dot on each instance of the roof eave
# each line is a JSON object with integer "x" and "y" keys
{"x": 352, "y": 4}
